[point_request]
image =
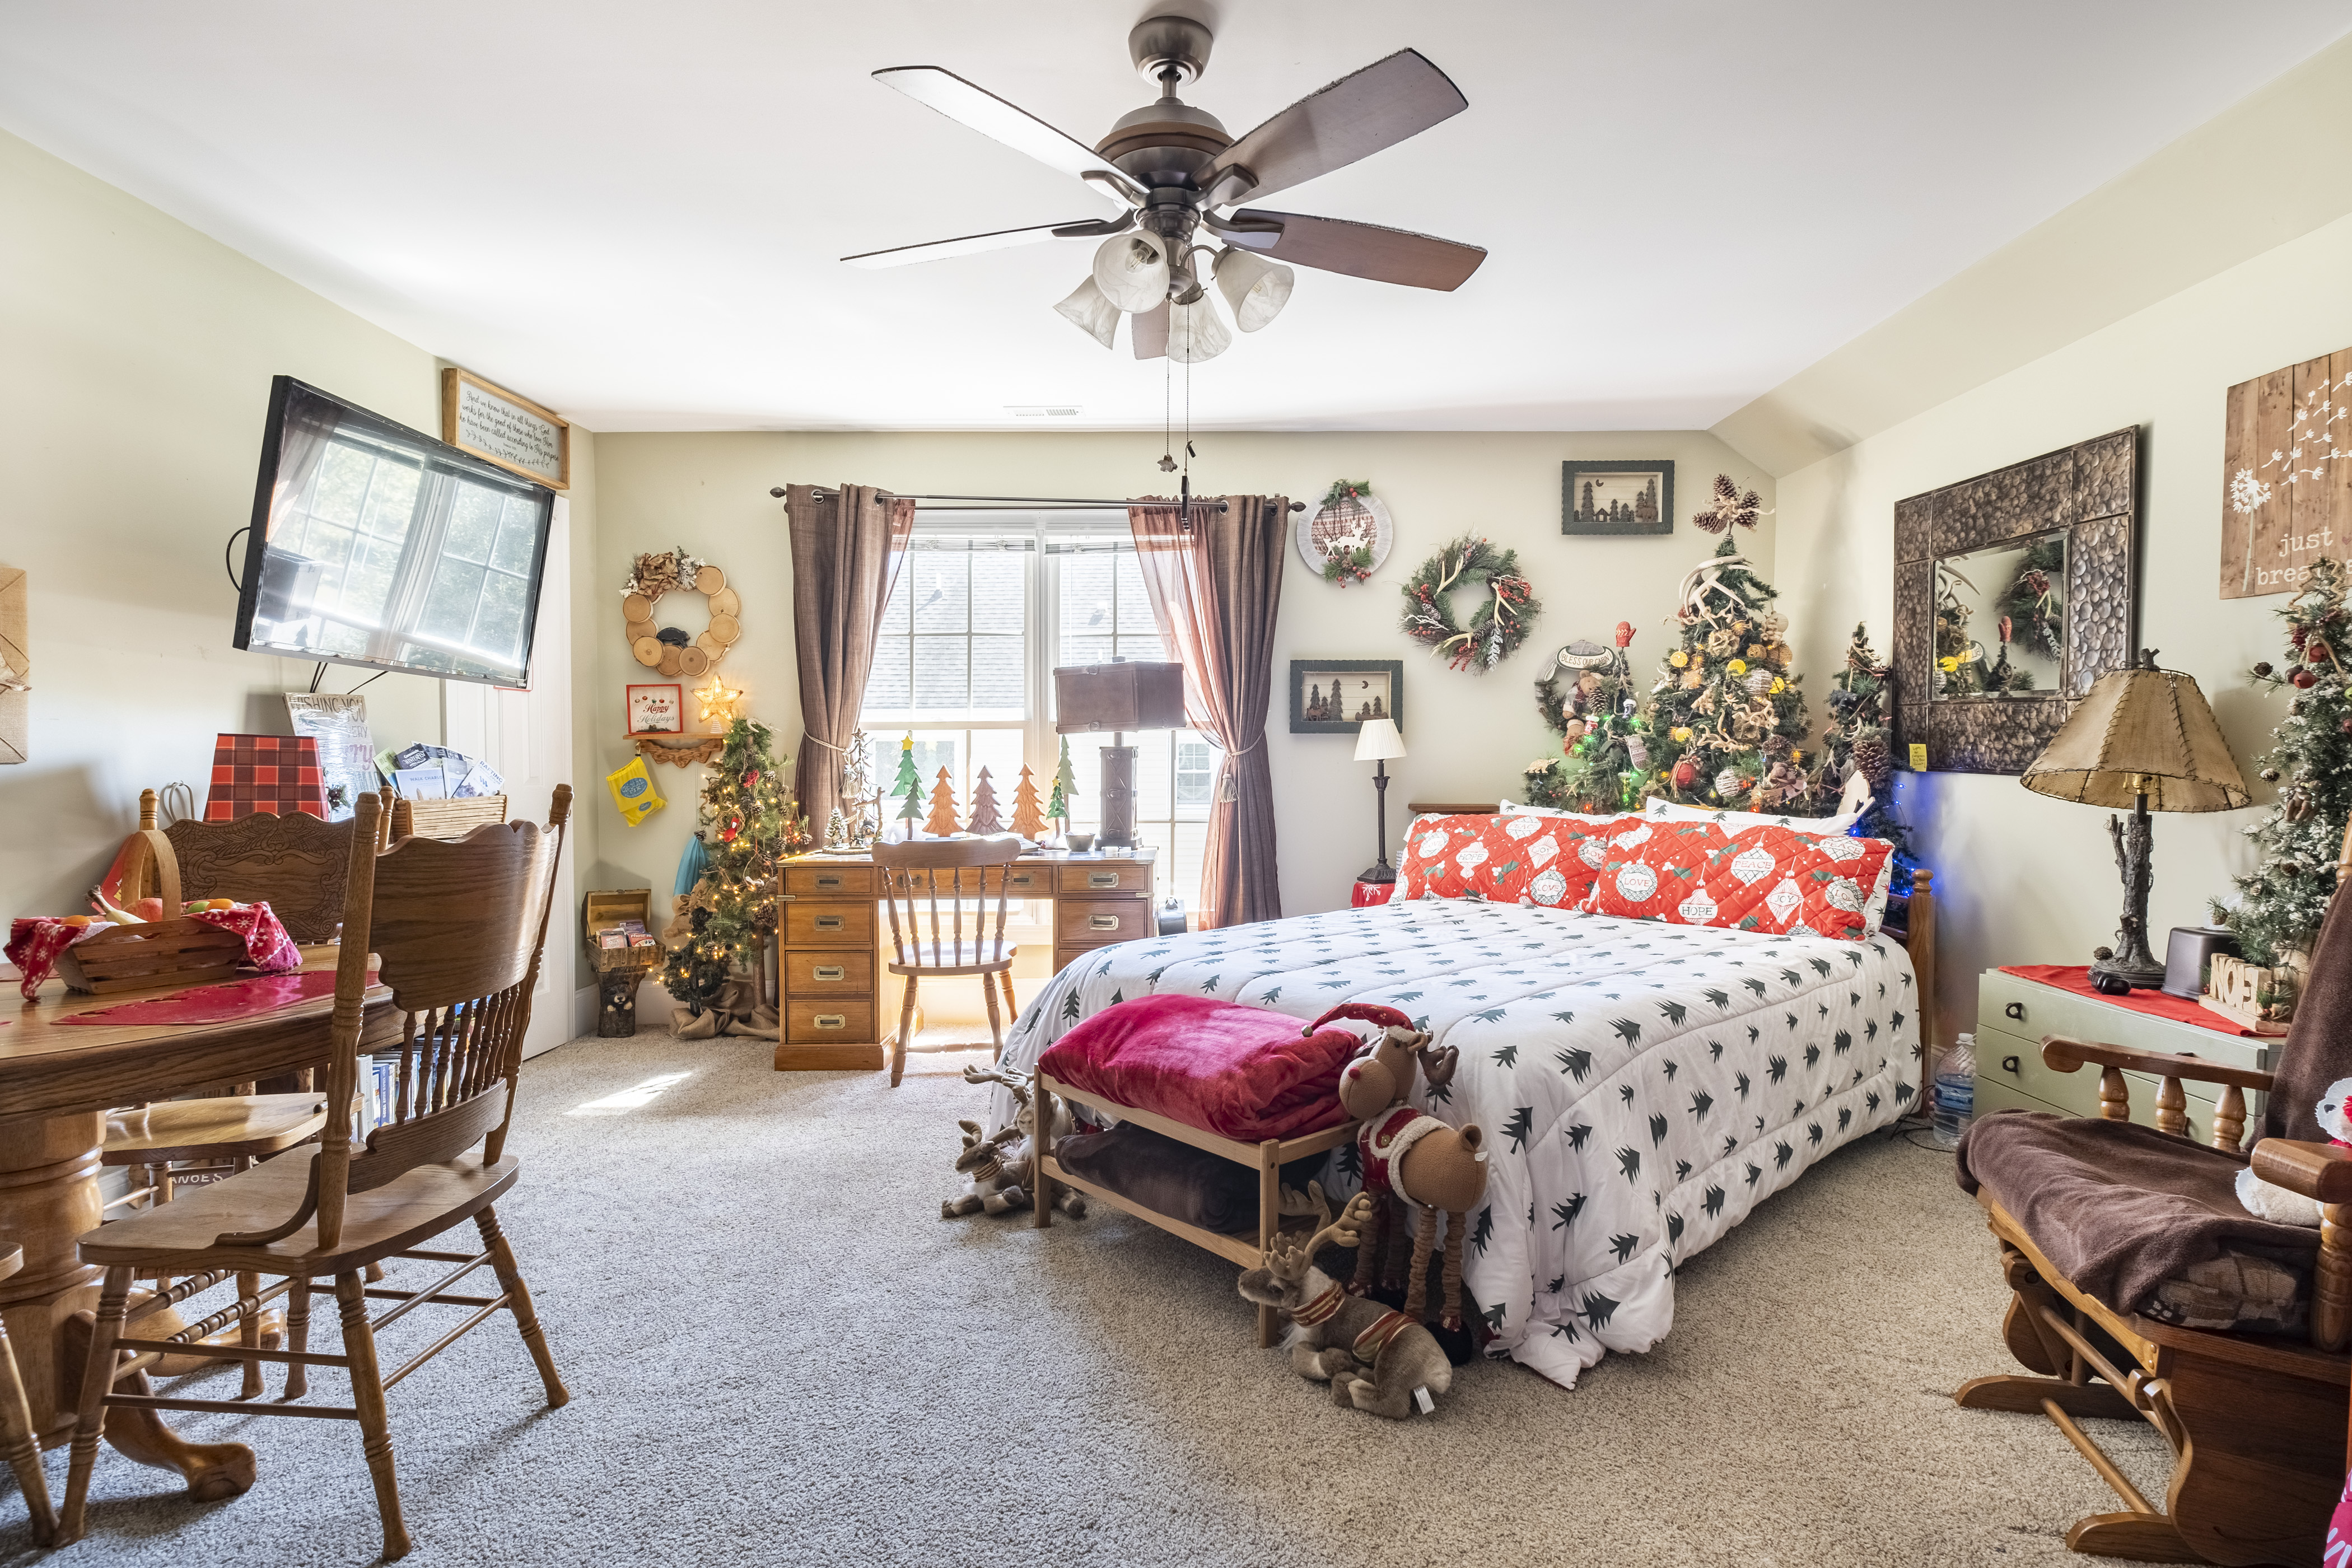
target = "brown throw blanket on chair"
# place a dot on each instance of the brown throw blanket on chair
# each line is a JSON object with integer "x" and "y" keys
{"x": 2121, "y": 1209}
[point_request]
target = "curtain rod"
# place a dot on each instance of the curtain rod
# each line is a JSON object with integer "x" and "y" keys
{"x": 1032, "y": 502}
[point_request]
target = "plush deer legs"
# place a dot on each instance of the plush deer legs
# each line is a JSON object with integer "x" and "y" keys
{"x": 1424, "y": 1240}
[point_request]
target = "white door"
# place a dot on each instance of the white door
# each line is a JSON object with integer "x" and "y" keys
{"x": 527, "y": 736}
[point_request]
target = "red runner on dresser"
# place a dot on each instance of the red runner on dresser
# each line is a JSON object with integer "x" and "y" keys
{"x": 2077, "y": 977}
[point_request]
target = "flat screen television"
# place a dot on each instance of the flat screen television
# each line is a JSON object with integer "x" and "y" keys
{"x": 375, "y": 545}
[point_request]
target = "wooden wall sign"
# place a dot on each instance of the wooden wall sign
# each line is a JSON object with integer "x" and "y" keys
{"x": 513, "y": 432}
{"x": 15, "y": 668}
{"x": 2286, "y": 476}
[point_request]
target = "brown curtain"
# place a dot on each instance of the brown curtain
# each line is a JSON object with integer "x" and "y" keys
{"x": 847, "y": 550}
{"x": 1214, "y": 589}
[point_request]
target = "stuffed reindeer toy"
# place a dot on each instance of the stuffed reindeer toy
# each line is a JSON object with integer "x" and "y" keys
{"x": 1374, "y": 1359}
{"x": 1017, "y": 1143}
{"x": 988, "y": 1183}
{"x": 1408, "y": 1156}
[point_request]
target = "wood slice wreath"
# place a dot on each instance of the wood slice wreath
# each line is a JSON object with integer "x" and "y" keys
{"x": 1501, "y": 622}
{"x": 668, "y": 649}
{"x": 1349, "y": 536}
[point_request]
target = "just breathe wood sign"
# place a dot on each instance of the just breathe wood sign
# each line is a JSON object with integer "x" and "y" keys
{"x": 2286, "y": 476}
{"x": 518, "y": 435}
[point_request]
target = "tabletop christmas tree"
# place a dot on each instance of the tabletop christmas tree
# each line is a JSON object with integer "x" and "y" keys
{"x": 747, "y": 823}
{"x": 984, "y": 819}
{"x": 1065, "y": 788}
{"x": 2280, "y": 903}
{"x": 908, "y": 785}
{"x": 1587, "y": 699}
{"x": 1725, "y": 716}
{"x": 1859, "y": 739}
{"x": 1028, "y": 821}
{"x": 943, "y": 824}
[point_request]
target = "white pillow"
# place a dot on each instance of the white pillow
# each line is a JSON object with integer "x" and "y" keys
{"x": 1517, "y": 808}
{"x": 1658, "y": 810}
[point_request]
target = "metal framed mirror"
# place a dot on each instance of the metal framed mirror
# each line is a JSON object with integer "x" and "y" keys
{"x": 2013, "y": 592}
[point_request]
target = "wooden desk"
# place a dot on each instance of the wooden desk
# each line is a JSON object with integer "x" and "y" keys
{"x": 57, "y": 1083}
{"x": 831, "y": 960}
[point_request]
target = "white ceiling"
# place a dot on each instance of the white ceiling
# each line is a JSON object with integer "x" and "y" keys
{"x": 633, "y": 211}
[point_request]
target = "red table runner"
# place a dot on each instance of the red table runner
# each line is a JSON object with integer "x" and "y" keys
{"x": 2076, "y": 978}
{"x": 220, "y": 1003}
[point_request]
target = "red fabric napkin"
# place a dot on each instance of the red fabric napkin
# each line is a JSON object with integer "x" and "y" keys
{"x": 35, "y": 942}
{"x": 2077, "y": 979}
{"x": 217, "y": 1004}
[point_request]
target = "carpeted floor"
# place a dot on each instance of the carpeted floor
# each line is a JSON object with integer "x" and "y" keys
{"x": 779, "y": 1353}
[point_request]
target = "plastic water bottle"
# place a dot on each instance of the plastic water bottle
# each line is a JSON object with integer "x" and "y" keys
{"x": 1956, "y": 1092}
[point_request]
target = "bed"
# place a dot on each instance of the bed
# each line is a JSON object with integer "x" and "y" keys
{"x": 1643, "y": 1085}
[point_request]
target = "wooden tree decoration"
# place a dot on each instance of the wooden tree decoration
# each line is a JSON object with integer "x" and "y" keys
{"x": 1028, "y": 820}
{"x": 984, "y": 819}
{"x": 943, "y": 824}
{"x": 1065, "y": 785}
{"x": 908, "y": 783}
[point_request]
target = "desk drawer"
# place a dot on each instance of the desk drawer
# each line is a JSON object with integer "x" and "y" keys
{"x": 1095, "y": 923}
{"x": 826, "y": 924}
{"x": 1029, "y": 882}
{"x": 842, "y": 974}
{"x": 829, "y": 881}
{"x": 813, "y": 1020}
{"x": 2011, "y": 1005}
{"x": 1104, "y": 878}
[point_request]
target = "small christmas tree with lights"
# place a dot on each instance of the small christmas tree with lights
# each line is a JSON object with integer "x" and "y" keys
{"x": 984, "y": 819}
{"x": 908, "y": 785}
{"x": 747, "y": 823}
{"x": 1065, "y": 789}
{"x": 1588, "y": 700}
{"x": 1028, "y": 820}
{"x": 943, "y": 824}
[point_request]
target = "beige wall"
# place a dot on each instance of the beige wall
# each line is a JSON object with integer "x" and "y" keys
{"x": 139, "y": 355}
{"x": 2026, "y": 879}
{"x": 1470, "y": 736}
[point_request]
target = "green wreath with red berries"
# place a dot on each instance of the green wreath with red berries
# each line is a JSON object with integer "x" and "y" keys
{"x": 1502, "y": 620}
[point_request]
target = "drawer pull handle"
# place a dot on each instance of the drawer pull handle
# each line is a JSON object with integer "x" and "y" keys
{"x": 828, "y": 881}
{"x": 2009, "y": 1064}
{"x": 829, "y": 972}
{"x": 1102, "y": 922}
{"x": 831, "y": 1020}
{"x": 1027, "y": 880}
{"x": 829, "y": 922}
{"x": 2016, "y": 1010}
{"x": 1102, "y": 879}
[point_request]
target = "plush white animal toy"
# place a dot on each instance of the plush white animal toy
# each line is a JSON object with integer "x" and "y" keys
{"x": 2275, "y": 1203}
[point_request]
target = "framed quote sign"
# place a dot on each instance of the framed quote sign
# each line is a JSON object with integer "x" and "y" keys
{"x": 2286, "y": 475}
{"x": 513, "y": 432}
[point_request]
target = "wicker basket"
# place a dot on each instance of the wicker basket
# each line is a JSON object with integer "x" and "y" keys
{"x": 445, "y": 819}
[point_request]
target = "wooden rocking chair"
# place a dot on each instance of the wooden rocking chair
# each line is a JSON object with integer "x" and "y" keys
{"x": 2256, "y": 1423}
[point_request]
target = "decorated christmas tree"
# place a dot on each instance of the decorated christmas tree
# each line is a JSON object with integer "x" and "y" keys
{"x": 1065, "y": 788}
{"x": 984, "y": 819}
{"x": 1028, "y": 820}
{"x": 943, "y": 824}
{"x": 908, "y": 784}
{"x": 1589, "y": 701}
{"x": 1725, "y": 716}
{"x": 747, "y": 822}
{"x": 2280, "y": 903}
{"x": 1859, "y": 739}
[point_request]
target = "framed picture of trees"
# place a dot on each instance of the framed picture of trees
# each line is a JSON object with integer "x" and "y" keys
{"x": 1617, "y": 496}
{"x": 1335, "y": 696}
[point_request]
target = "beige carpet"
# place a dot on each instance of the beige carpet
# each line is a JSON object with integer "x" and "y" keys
{"x": 779, "y": 1353}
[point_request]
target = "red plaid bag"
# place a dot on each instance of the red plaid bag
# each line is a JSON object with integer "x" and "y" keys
{"x": 275, "y": 774}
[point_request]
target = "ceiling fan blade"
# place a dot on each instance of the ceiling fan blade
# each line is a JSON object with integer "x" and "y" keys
{"x": 1358, "y": 249}
{"x": 1353, "y": 118}
{"x": 1150, "y": 332}
{"x": 971, "y": 244}
{"x": 1018, "y": 129}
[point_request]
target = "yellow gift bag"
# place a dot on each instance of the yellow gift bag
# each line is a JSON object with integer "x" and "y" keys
{"x": 634, "y": 792}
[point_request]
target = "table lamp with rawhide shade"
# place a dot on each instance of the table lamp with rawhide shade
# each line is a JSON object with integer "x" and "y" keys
{"x": 2142, "y": 738}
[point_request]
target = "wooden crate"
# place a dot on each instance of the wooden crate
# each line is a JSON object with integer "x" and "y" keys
{"x": 445, "y": 819}
{"x": 606, "y": 908}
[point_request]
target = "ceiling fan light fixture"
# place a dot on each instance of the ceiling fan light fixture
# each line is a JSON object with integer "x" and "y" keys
{"x": 1089, "y": 310}
{"x": 1255, "y": 288}
{"x": 1196, "y": 331}
{"x": 1131, "y": 271}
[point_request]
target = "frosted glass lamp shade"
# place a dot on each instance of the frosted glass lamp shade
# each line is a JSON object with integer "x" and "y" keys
{"x": 1196, "y": 331}
{"x": 1131, "y": 271}
{"x": 1255, "y": 288}
{"x": 1378, "y": 740}
{"x": 1092, "y": 311}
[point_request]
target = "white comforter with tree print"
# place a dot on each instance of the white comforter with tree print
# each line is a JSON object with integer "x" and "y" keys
{"x": 1643, "y": 1085}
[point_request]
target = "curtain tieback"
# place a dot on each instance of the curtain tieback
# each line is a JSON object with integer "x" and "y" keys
{"x": 1228, "y": 790}
{"x": 828, "y": 745}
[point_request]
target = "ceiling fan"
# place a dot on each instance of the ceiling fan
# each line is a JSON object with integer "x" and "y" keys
{"x": 1174, "y": 171}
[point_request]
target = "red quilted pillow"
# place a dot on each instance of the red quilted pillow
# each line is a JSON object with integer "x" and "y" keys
{"x": 1544, "y": 860}
{"x": 1657, "y": 870}
{"x": 1800, "y": 883}
{"x": 1441, "y": 857}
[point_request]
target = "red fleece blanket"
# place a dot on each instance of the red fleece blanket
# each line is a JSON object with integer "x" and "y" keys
{"x": 1243, "y": 1073}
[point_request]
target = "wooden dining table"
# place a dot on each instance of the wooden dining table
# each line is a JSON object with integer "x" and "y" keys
{"x": 58, "y": 1081}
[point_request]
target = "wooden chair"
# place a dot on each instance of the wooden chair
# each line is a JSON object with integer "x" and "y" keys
{"x": 911, "y": 876}
{"x": 457, "y": 929}
{"x": 16, "y": 1424}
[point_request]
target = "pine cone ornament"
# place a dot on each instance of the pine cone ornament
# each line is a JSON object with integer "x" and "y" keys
{"x": 1729, "y": 508}
{"x": 1874, "y": 758}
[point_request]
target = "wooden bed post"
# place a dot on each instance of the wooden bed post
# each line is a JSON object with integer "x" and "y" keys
{"x": 1269, "y": 1222}
{"x": 1919, "y": 938}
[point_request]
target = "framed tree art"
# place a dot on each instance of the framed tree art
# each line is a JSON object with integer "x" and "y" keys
{"x": 2013, "y": 592}
{"x": 1619, "y": 496}
{"x": 1335, "y": 696}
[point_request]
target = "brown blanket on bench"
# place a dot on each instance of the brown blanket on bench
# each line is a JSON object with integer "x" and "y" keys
{"x": 2118, "y": 1207}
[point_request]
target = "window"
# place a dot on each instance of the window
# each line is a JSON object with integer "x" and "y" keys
{"x": 984, "y": 608}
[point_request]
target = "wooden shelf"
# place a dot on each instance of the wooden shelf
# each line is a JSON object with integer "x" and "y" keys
{"x": 667, "y": 746}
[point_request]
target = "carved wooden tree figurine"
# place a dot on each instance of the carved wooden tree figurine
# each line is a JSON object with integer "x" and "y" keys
{"x": 908, "y": 784}
{"x": 984, "y": 819}
{"x": 1028, "y": 818}
{"x": 1065, "y": 785}
{"x": 943, "y": 808}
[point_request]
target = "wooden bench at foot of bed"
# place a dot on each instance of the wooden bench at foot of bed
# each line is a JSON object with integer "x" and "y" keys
{"x": 1267, "y": 1158}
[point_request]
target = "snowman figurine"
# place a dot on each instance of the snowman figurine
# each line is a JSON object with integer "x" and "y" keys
{"x": 2265, "y": 1201}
